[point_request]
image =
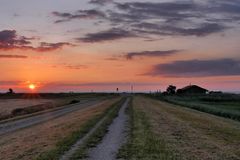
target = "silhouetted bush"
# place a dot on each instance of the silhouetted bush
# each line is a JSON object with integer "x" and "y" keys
{"x": 74, "y": 101}
{"x": 171, "y": 89}
{"x": 19, "y": 111}
{"x": 31, "y": 109}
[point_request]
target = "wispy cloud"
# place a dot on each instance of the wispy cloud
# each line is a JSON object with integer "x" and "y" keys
{"x": 170, "y": 30}
{"x": 13, "y": 56}
{"x": 132, "y": 55}
{"x": 76, "y": 67}
{"x": 81, "y": 14}
{"x": 112, "y": 58}
{"x": 44, "y": 46}
{"x": 108, "y": 35}
{"x": 100, "y": 2}
{"x": 71, "y": 66}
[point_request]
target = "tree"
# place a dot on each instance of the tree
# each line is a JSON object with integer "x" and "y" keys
{"x": 171, "y": 89}
{"x": 10, "y": 91}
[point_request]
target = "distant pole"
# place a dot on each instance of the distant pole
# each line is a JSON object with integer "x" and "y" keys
{"x": 131, "y": 88}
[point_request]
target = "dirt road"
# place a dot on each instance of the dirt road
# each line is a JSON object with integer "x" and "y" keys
{"x": 27, "y": 122}
{"x": 114, "y": 139}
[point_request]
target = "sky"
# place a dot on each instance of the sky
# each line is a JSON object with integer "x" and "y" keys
{"x": 101, "y": 45}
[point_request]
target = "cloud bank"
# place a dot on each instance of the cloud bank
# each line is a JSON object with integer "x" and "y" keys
{"x": 197, "y": 68}
{"x": 108, "y": 35}
{"x": 9, "y": 40}
{"x": 147, "y": 19}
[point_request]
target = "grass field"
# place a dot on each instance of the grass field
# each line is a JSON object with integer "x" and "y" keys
{"x": 42, "y": 139}
{"x": 225, "y": 105}
{"x": 142, "y": 142}
{"x": 165, "y": 131}
{"x": 17, "y": 105}
{"x": 7, "y": 105}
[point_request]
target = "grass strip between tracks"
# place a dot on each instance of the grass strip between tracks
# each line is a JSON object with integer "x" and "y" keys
{"x": 142, "y": 143}
{"x": 66, "y": 143}
{"x": 98, "y": 135}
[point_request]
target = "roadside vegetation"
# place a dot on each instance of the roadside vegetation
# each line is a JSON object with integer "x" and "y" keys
{"x": 142, "y": 142}
{"x": 101, "y": 131}
{"x": 224, "y": 105}
{"x": 68, "y": 141}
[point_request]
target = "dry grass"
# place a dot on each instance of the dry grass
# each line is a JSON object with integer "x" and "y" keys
{"x": 11, "y": 108}
{"x": 31, "y": 142}
{"x": 7, "y": 105}
{"x": 142, "y": 142}
{"x": 195, "y": 135}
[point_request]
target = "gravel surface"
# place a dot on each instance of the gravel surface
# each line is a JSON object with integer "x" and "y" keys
{"x": 67, "y": 155}
{"x": 113, "y": 140}
{"x": 27, "y": 122}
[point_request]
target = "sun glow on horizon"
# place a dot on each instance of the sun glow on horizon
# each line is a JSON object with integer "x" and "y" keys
{"x": 32, "y": 86}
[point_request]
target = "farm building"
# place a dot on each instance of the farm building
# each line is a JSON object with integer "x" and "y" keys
{"x": 192, "y": 89}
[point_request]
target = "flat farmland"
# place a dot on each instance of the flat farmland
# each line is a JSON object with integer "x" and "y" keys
{"x": 138, "y": 126}
{"x": 8, "y": 105}
{"x": 181, "y": 133}
{"x": 29, "y": 143}
{"x": 224, "y": 105}
{"x": 12, "y": 106}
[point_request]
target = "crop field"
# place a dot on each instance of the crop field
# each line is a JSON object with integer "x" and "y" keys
{"x": 225, "y": 105}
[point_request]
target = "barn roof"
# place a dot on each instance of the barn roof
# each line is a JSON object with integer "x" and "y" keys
{"x": 193, "y": 86}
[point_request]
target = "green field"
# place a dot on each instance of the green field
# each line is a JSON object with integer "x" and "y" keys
{"x": 225, "y": 105}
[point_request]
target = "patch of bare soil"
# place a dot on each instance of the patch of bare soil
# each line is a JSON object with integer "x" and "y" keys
{"x": 194, "y": 134}
{"x": 31, "y": 142}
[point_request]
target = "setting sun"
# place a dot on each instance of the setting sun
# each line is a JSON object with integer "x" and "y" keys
{"x": 31, "y": 86}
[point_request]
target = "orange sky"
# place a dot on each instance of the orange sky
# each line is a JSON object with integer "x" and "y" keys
{"x": 86, "y": 49}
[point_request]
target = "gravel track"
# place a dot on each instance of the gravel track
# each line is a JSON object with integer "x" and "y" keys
{"x": 12, "y": 126}
{"x": 114, "y": 139}
{"x": 75, "y": 147}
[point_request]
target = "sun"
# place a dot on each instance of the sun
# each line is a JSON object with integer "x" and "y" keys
{"x": 31, "y": 86}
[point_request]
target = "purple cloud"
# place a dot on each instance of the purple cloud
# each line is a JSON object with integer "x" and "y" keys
{"x": 197, "y": 68}
{"x": 132, "y": 55}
